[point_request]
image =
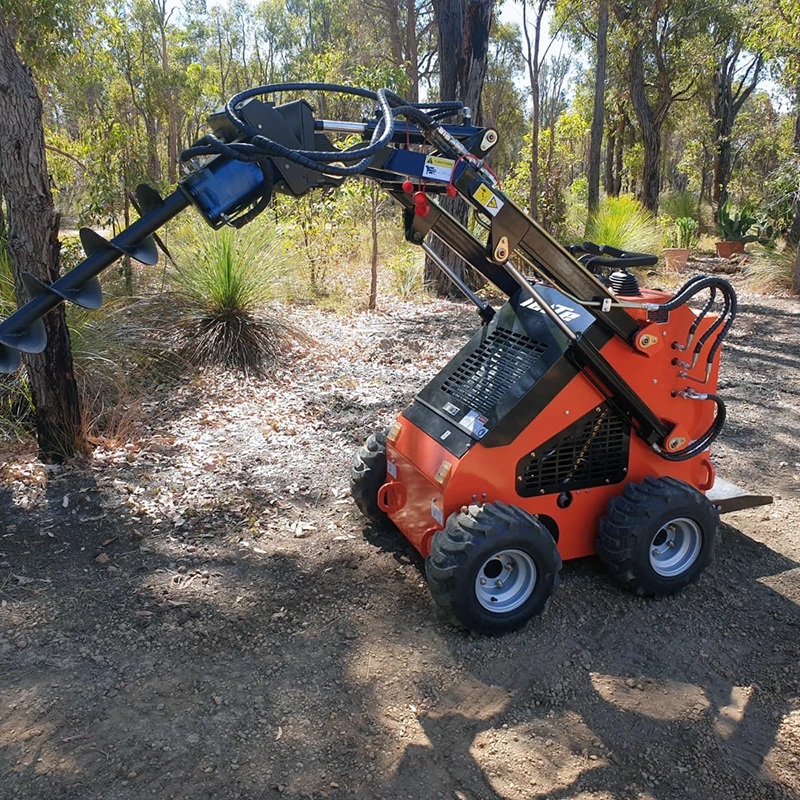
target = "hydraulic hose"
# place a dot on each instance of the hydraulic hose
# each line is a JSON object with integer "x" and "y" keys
{"x": 341, "y": 163}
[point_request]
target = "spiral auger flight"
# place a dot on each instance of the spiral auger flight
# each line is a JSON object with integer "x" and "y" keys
{"x": 24, "y": 331}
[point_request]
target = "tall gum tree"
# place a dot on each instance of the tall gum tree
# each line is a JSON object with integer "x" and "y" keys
{"x": 33, "y": 247}
{"x": 666, "y": 48}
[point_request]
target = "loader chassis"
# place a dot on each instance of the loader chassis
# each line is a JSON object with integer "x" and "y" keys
{"x": 518, "y": 422}
{"x": 578, "y": 418}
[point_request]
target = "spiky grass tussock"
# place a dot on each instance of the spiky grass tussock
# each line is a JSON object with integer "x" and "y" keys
{"x": 624, "y": 223}
{"x": 224, "y": 280}
{"x": 771, "y": 270}
{"x": 680, "y": 205}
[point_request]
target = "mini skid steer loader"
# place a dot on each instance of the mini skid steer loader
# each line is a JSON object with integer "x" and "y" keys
{"x": 578, "y": 418}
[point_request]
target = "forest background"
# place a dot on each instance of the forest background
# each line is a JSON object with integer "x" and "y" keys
{"x": 641, "y": 123}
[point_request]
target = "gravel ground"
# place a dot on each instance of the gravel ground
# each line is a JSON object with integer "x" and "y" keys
{"x": 200, "y": 612}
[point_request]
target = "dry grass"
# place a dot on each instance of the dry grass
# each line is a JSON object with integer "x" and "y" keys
{"x": 771, "y": 270}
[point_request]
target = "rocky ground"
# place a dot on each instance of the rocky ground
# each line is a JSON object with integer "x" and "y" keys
{"x": 200, "y": 612}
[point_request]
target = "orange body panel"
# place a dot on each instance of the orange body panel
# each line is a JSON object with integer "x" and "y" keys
{"x": 488, "y": 474}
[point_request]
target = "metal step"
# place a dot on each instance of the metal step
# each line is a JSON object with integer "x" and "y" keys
{"x": 727, "y": 497}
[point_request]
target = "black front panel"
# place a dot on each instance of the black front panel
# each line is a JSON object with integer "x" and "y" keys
{"x": 591, "y": 452}
{"x": 481, "y": 390}
{"x": 482, "y": 379}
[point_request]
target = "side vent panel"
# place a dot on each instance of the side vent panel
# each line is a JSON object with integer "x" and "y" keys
{"x": 591, "y": 452}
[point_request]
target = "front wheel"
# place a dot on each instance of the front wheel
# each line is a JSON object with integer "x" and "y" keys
{"x": 492, "y": 568}
{"x": 658, "y": 536}
{"x": 367, "y": 475}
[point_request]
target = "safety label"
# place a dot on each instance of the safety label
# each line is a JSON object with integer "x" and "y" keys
{"x": 436, "y": 512}
{"x": 391, "y": 468}
{"x": 488, "y": 199}
{"x": 438, "y": 169}
{"x": 475, "y": 424}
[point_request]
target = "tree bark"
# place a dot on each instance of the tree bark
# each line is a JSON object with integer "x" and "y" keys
{"x": 650, "y": 126}
{"x": 728, "y": 100}
{"x": 33, "y": 247}
{"x": 373, "y": 281}
{"x": 598, "y": 114}
{"x": 619, "y": 153}
{"x": 608, "y": 179}
{"x": 534, "y": 68}
{"x": 463, "y": 30}
{"x": 794, "y": 230}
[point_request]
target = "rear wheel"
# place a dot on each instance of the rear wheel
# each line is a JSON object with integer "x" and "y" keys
{"x": 492, "y": 568}
{"x": 658, "y": 536}
{"x": 367, "y": 475}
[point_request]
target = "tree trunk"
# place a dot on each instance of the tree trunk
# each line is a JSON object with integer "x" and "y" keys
{"x": 619, "y": 152}
{"x": 596, "y": 136}
{"x": 373, "y": 281}
{"x": 608, "y": 180}
{"x": 450, "y": 28}
{"x": 463, "y": 31}
{"x": 475, "y": 55}
{"x": 794, "y": 231}
{"x": 650, "y": 126}
{"x": 412, "y": 51}
{"x": 534, "y": 67}
{"x": 727, "y": 102}
{"x": 33, "y": 247}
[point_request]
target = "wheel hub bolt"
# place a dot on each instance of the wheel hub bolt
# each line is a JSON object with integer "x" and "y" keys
{"x": 509, "y": 567}
{"x": 498, "y": 584}
{"x": 483, "y": 581}
{"x": 656, "y": 552}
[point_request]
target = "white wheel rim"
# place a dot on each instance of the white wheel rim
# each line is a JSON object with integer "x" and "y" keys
{"x": 675, "y": 547}
{"x": 505, "y": 581}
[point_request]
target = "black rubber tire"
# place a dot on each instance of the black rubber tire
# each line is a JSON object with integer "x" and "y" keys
{"x": 635, "y": 517}
{"x": 367, "y": 475}
{"x": 471, "y": 537}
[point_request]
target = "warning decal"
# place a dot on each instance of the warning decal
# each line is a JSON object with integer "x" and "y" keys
{"x": 438, "y": 169}
{"x": 488, "y": 199}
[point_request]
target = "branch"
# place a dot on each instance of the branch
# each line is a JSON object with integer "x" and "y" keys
{"x": 66, "y": 155}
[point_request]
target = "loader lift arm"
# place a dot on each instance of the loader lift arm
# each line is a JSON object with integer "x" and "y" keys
{"x": 258, "y": 149}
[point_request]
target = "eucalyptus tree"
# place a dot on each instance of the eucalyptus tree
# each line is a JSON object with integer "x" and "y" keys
{"x": 667, "y": 51}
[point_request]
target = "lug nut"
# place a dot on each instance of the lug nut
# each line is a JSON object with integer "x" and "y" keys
{"x": 483, "y": 581}
{"x": 509, "y": 567}
{"x": 498, "y": 584}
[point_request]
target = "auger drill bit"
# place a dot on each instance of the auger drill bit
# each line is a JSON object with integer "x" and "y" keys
{"x": 24, "y": 332}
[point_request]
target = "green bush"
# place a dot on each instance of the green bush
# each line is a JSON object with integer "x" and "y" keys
{"x": 224, "y": 280}
{"x": 623, "y": 223}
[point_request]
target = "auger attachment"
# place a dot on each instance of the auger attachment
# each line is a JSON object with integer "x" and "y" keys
{"x": 24, "y": 331}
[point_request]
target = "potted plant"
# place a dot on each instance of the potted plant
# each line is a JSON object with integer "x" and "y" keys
{"x": 682, "y": 239}
{"x": 733, "y": 231}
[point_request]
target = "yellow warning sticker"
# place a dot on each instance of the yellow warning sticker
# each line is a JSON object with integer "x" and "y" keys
{"x": 488, "y": 199}
{"x": 438, "y": 169}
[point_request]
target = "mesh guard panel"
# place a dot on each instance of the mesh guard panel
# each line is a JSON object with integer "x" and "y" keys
{"x": 486, "y": 374}
{"x": 592, "y": 452}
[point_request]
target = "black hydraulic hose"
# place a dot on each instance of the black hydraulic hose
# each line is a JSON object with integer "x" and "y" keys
{"x": 704, "y": 442}
{"x": 350, "y": 162}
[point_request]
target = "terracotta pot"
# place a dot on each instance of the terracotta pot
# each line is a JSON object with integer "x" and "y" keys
{"x": 727, "y": 249}
{"x": 676, "y": 257}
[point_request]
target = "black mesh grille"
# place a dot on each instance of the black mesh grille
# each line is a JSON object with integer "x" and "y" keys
{"x": 482, "y": 379}
{"x": 594, "y": 451}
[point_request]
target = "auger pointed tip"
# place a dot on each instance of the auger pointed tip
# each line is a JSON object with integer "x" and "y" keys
{"x": 10, "y": 360}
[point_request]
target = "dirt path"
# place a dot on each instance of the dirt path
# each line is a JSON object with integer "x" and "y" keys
{"x": 205, "y": 615}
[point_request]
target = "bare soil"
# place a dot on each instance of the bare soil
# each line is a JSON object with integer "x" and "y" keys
{"x": 201, "y": 612}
